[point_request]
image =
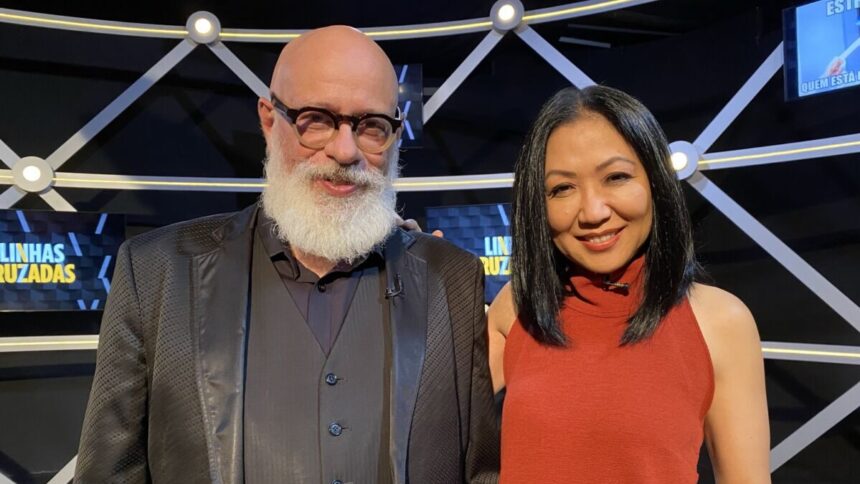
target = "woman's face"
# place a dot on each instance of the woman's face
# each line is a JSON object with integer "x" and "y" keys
{"x": 597, "y": 194}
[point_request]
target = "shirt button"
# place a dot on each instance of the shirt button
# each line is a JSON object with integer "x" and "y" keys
{"x": 335, "y": 429}
{"x": 321, "y": 287}
{"x": 331, "y": 379}
{"x": 337, "y": 481}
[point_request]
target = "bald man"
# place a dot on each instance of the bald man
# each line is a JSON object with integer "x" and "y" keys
{"x": 306, "y": 339}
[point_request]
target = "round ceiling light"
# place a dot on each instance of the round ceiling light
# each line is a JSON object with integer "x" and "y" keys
{"x": 31, "y": 173}
{"x": 203, "y": 27}
{"x": 679, "y": 161}
{"x": 506, "y": 12}
{"x": 685, "y": 159}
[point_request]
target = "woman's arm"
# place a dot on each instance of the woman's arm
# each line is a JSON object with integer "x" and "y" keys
{"x": 500, "y": 318}
{"x": 736, "y": 426}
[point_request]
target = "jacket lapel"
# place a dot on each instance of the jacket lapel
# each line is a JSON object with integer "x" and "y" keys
{"x": 406, "y": 276}
{"x": 220, "y": 301}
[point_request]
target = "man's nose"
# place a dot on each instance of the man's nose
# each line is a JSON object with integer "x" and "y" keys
{"x": 342, "y": 147}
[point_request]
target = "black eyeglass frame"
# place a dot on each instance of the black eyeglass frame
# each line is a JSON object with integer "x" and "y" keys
{"x": 291, "y": 115}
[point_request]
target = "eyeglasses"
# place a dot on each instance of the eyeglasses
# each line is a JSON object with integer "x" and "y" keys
{"x": 316, "y": 127}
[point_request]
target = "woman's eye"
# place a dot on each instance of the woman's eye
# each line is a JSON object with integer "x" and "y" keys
{"x": 618, "y": 177}
{"x": 560, "y": 190}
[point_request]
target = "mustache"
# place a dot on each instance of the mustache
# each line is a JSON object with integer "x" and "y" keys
{"x": 340, "y": 174}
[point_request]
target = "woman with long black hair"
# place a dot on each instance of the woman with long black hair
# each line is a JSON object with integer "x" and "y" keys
{"x": 617, "y": 364}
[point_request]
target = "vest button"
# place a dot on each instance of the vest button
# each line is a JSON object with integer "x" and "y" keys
{"x": 331, "y": 379}
{"x": 335, "y": 429}
{"x": 337, "y": 481}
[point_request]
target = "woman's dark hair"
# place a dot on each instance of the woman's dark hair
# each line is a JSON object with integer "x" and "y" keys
{"x": 540, "y": 270}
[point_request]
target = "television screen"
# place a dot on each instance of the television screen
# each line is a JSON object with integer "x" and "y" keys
{"x": 410, "y": 78}
{"x": 822, "y": 47}
{"x": 57, "y": 261}
{"x": 483, "y": 230}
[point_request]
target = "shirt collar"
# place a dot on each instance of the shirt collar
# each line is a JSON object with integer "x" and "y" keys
{"x": 277, "y": 249}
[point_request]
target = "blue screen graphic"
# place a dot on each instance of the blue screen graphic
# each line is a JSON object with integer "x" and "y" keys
{"x": 57, "y": 261}
{"x": 483, "y": 230}
{"x": 827, "y": 46}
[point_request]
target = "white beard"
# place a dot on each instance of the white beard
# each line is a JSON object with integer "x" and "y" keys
{"x": 314, "y": 222}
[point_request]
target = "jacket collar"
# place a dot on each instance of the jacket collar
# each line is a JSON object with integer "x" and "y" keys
{"x": 406, "y": 292}
{"x": 220, "y": 290}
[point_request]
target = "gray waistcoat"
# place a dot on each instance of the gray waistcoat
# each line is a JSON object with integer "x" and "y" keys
{"x": 311, "y": 418}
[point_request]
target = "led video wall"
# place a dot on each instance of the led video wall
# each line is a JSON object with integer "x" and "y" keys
{"x": 57, "y": 261}
{"x": 483, "y": 230}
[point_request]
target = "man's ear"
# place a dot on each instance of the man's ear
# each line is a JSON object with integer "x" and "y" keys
{"x": 267, "y": 115}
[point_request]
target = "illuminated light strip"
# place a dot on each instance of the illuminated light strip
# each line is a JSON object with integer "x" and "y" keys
{"x": 164, "y": 183}
{"x": 29, "y": 18}
{"x": 43, "y": 21}
{"x": 72, "y": 182}
{"x": 785, "y": 351}
{"x": 37, "y": 344}
{"x": 430, "y": 30}
{"x": 583, "y": 8}
{"x": 92, "y": 342}
{"x": 452, "y": 183}
{"x": 227, "y": 35}
{"x": 48, "y": 343}
{"x": 757, "y": 156}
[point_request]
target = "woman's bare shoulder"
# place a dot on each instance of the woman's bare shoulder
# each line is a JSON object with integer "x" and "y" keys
{"x": 727, "y": 324}
{"x": 502, "y": 312}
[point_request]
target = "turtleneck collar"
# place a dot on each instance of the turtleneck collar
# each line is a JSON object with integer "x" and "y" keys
{"x": 607, "y": 295}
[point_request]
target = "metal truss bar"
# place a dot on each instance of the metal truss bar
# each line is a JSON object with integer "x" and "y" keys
{"x": 414, "y": 31}
{"x": 89, "y": 25}
{"x": 118, "y": 105}
{"x": 7, "y": 156}
{"x": 578, "y": 9}
{"x": 740, "y": 100}
{"x": 804, "y": 150}
{"x": 811, "y": 278}
{"x": 125, "y": 182}
{"x": 555, "y": 58}
{"x": 11, "y": 196}
{"x": 57, "y": 202}
{"x": 849, "y": 355}
{"x": 240, "y": 69}
{"x": 66, "y": 474}
{"x": 815, "y": 428}
{"x": 461, "y": 73}
{"x": 48, "y": 343}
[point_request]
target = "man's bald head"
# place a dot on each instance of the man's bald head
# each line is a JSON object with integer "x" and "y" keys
{"x": 334, "y": 66}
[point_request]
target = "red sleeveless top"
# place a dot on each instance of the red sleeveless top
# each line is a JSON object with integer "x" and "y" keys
{"x": 597, "y": 412}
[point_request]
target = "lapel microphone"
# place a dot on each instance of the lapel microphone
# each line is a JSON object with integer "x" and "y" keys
{"x": 609, "y": 285}
{"x": 397, "y": 290}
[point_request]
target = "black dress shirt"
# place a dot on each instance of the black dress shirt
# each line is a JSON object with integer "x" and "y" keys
{"x": 323, "y": 301}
